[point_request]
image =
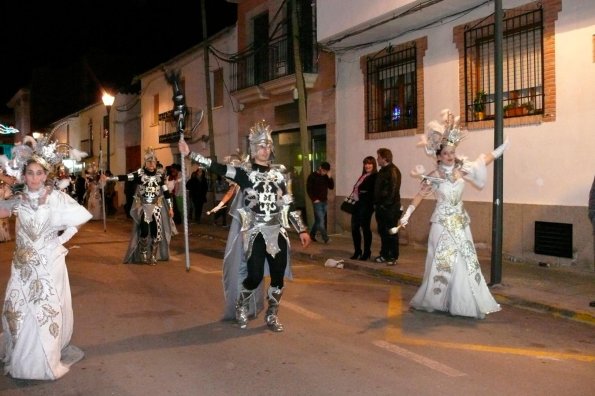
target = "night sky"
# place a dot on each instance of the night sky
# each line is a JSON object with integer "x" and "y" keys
{"x": 65, "y": 51}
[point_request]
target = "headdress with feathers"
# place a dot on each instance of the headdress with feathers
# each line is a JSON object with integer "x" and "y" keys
{"x": 442, "y": 133}
{"x": 45, "y": 152}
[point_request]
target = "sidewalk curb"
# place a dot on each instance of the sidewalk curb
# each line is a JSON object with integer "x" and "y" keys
{"x": 583, "y": 317}
{"x": 518, "y": 302}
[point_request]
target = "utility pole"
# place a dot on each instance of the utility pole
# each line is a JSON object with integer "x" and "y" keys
{"x": 302, "y": 107}
{"x": 203, "y": 12}
{"x": 497, "y": 201}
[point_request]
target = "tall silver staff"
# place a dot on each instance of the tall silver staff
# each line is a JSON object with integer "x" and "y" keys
{"x": 180, "y": 110}
{"x": 102, "y": 186}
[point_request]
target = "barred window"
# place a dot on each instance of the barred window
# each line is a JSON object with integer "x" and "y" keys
{"x": 523, "y": 59}
{"x": 391, "y": 87}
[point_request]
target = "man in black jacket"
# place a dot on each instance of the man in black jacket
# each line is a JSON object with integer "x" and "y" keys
{"x": 317, "y": 186}
{"x": 387, "y": 202}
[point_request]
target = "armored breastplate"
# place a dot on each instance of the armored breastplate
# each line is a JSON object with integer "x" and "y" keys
{"x": 264, "y": 198}
{"x": 150, "y": 187}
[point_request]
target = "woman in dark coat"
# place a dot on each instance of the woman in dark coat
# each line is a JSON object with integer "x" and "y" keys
{"x": 363, "y": 195}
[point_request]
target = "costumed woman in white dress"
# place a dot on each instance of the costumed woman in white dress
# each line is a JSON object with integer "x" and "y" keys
{"x": 452, "y": 280}
{"x": 37, "y": 318}
{"x": 93, "y": 192}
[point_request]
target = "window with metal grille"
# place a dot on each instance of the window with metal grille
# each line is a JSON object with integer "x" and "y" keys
{"x": 391, "y": 84}
{"x": 523, "y": 59}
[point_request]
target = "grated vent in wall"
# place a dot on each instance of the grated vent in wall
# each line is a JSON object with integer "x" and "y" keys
{"x": 553, "y": 239}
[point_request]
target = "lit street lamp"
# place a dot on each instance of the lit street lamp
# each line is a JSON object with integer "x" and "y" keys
{"x": 108, "y": 101}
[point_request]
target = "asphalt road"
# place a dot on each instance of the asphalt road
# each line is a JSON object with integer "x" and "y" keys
{"x": 158, "y": 331}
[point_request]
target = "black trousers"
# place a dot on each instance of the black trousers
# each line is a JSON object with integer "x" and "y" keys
{"x": 360, "y": 224}
{"x": 277, "y": 264}
{"x": 148, "y": 228}
{"x": 387, "y": 218}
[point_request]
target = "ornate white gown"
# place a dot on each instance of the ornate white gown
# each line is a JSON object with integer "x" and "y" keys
{"x": 452, "y": 280}
{"x": 94, "y": 202}
{"x": 37, "y": 320}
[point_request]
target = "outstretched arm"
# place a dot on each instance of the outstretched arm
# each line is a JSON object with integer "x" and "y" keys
{"x": 226, "y": 198}
{"x": 497, "y": 153}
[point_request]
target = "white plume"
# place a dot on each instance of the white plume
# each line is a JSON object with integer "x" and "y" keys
{"x": 62, "y": 183}
{"x": 77, "y": 155}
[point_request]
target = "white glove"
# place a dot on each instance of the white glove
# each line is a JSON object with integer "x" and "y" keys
{"x": 216, "y": 208}
{"x": 67, "y": 234}
{"x": 405, "y": 219}
{"x": 497, "y": 153}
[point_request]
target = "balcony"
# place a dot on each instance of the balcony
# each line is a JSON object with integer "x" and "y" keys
{"x": 269, "y": 70}
{"x": 168, "y": 127}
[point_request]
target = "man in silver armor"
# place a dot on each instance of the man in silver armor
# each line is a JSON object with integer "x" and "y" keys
{"x": 151, "y": 212}
{"x": 265, "y": 215}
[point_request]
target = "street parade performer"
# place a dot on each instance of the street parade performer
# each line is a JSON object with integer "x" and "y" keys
{"x": 151, "y": 213}
{"x": 452, "y": 280}
{"x": 265, "y": 193}
{"x": 37, "y": 317}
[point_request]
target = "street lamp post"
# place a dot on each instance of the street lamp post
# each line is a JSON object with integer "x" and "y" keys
{"x": 108, "y": 101}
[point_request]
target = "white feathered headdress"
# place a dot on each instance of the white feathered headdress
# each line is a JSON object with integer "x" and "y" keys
{"x": 45, "y": 152}
{"x": 446, "y": 132}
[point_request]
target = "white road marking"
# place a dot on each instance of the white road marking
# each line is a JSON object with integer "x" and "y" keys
{"x": 303, "y": 311}
{"x": 432, "y": 364}
{"x": 203, "y": 271}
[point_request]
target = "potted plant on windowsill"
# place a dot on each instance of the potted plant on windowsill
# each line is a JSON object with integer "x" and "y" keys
{"x": 528, "y": 108}
{"x": 479, "y": 105}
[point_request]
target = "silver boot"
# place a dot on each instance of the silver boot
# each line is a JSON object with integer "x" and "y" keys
{"x": 274, "y": 297}
{"x": 154, "y": 249}
{"x": 143, "y": 249}
{"x": 242, "y": 307}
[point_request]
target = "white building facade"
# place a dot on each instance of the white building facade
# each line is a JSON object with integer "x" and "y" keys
{"x": 438, "y": 54}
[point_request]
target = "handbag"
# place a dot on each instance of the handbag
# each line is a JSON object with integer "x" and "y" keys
{"x": 348, "y": 205}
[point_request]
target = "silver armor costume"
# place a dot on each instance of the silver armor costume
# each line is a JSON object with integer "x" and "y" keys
{"x": 150, "y": 206}
{"x": 261, "y": 209}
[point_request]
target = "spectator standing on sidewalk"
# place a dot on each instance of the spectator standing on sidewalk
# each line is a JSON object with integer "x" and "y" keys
{"x": 387, "y": 204}
{"x": 363, "y": 195}
{"x": 197, "y": 187}
{"x": 452, "y": 280}
{"x": 317, "y": 186}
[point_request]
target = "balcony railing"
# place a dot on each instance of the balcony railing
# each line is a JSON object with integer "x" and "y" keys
{"x": 168, "y": 127}
{"x": 269, "y": 62}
